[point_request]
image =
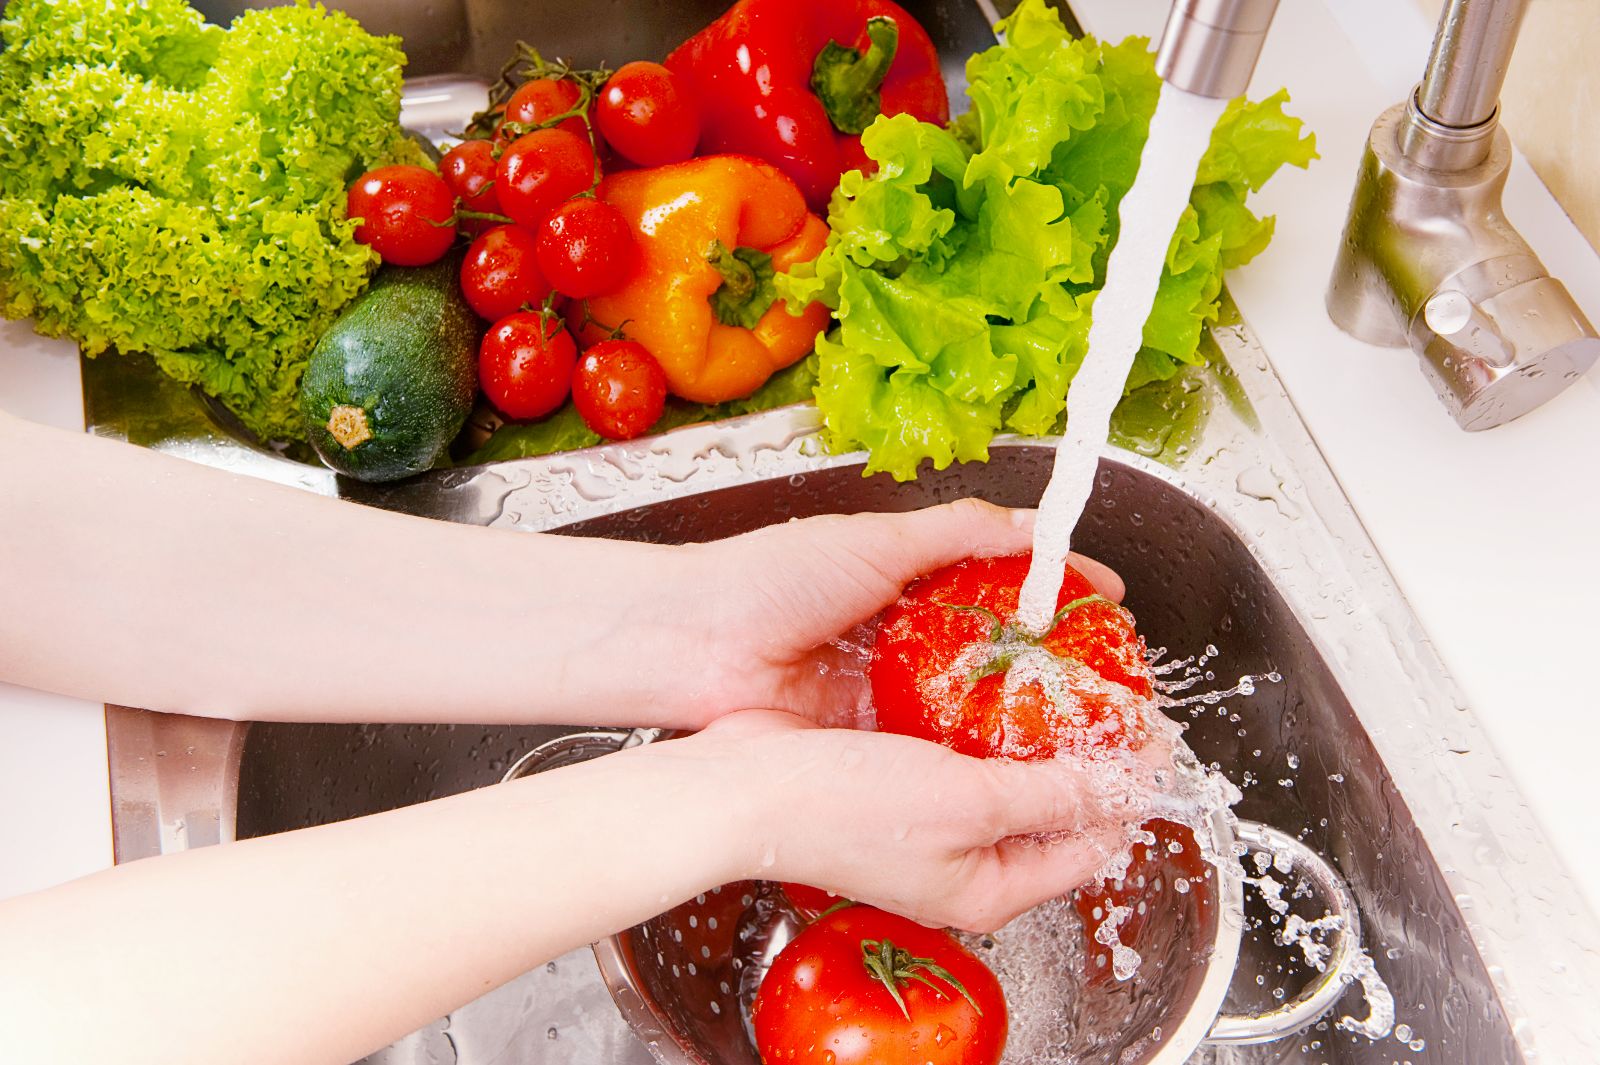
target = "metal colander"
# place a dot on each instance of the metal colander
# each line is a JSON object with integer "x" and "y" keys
{"x": 683, "y": 979}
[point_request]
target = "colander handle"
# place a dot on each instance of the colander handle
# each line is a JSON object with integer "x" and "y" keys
{"x": 1306, "y": 1008}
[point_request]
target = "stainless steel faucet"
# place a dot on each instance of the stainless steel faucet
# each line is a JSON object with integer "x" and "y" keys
{"x": 1428, "y": 259}
{"x": 1210, "y": 47}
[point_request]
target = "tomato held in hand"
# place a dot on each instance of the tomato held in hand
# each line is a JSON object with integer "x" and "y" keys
{"x": 525, "y": 364}
{"x": 810, "y": 902}
{"x": 500, "y": 275}
{"x": 468, "y": 171}
{"x": 646, "y": 116}
{"x": 540, "y": 171}
{"x": 943, "y": 652}
{"x": 586, "y": 248}
{"x": 619, "y": 389}
{"x": 864, "y": 987}
{"x": 407, "y": 214}
{"x": 540, "y": 100}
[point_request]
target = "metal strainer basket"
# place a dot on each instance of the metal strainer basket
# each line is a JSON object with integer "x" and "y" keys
{"x": 681, "y": 979}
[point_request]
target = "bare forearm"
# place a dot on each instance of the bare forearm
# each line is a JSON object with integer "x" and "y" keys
{"x": 136, "y": 578}
{"x": 322, "y": 945}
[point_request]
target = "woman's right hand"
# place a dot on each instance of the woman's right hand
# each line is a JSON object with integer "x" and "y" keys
{"x": 907, "y": 825}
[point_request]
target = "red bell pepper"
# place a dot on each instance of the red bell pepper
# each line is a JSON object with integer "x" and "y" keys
{"x": 795, "y": 82}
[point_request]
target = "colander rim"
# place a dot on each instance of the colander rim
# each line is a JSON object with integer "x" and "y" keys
{"x": 662, "y": 1040}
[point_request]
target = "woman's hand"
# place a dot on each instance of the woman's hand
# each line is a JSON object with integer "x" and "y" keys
{"x": 907, "y": 825}
{"x": 779, "y": 604}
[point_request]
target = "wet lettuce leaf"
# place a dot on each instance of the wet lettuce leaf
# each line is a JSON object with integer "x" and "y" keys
{"x": 963, "y": 271}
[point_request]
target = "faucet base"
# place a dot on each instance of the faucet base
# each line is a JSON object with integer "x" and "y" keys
{"x": 1429, "y": 261}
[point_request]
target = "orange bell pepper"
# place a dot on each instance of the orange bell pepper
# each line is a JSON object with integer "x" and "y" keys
{"x": 711, "y": 234}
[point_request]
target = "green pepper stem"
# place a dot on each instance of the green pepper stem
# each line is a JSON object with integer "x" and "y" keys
{"x": 747, "y": 291}
{"x": 849, "y": 81}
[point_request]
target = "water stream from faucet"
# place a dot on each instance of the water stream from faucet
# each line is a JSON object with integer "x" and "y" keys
{"x": 1180, "y": 132}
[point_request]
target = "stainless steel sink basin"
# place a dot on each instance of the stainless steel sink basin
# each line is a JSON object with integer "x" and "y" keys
{"x": 1245, "y": 544}
{"x": 1239, "y": 537}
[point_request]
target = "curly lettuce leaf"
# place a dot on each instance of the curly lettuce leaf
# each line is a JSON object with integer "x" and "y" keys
{"x": 963, "y": 271}
{"x": 174, "y": 188}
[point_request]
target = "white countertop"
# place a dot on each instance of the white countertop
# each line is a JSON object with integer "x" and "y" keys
{"x": 1488, "y": 535}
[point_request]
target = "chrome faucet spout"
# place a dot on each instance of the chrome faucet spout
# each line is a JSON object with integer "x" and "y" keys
{"x": 1471, "y": 53}
{"x": 1210, "y": 47}
{"x": 1428, "y": 258}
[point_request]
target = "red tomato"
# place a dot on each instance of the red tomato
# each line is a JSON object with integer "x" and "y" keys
{"x": 942, "y": 652}
{"x": 850, "y": 990}
{"x": 619, "y": 389}
{"x": 500, "y": 274}
{"x": 810, "y": 902}
{"x": 525, "y": 364}
{"x": 586, "y": 248}
{"x": 646, "y": 116}
{"x": 407, "y": 214}
{"x": 540, "y": 171}
{"x": 468, "y": 170}
{"x": 538, "y": 101}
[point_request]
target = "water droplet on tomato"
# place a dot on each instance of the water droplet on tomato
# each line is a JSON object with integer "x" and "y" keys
{"x": 944, "y": 1035}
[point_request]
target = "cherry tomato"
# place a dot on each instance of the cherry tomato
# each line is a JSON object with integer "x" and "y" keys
{"x": 646, "y": 116}
{"x": 540, "y": 171}
{"x": 865, "y": 987}
{"x": 586, "y": 248}
{"x": 619, "y": 389}
{"x": 525, "y": 364}
{"x": 942, "y": 653}
{"x": 501, "y": 275}
{"x": 468, "y": 170}
{"x": 538, "y": 101}
{"x": 407, "y": 214}
{"x": 810, "y": 902}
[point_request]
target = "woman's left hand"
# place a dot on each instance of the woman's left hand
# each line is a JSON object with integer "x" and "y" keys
{"x": 781, "y": 608}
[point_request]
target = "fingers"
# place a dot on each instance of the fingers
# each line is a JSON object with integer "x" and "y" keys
{"x": 906, "y": 546}
{"x": 1022, "y": 873}
{"x": 1102, "y": 576}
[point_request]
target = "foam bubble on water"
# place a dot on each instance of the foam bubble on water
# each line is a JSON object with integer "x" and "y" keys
{"x": 1180, "y": 132}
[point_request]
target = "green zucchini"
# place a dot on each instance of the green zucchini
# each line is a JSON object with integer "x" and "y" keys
{"x": 390, "y": 384}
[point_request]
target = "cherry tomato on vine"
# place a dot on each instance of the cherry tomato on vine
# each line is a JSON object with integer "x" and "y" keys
{"x": 619, "y": 389}
{"x": 407, "y": 214}
{"x": 500, "y": 274}
{"x": 468, "y": 170}
{"x": 586, "y": 248}
{"x": 525, "y": 364}
{"x": 540, "y": 171}
{"x": 646, "y": 116}
{"x": 538, "y": 101}
{"x": 865, "y": 987}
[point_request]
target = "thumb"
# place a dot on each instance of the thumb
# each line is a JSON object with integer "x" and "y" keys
{"x": 905, "y": 546}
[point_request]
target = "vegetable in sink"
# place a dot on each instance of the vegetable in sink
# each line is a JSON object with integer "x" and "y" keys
{"x": 170, "y": 187}
{"x": 963, "y": 272}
